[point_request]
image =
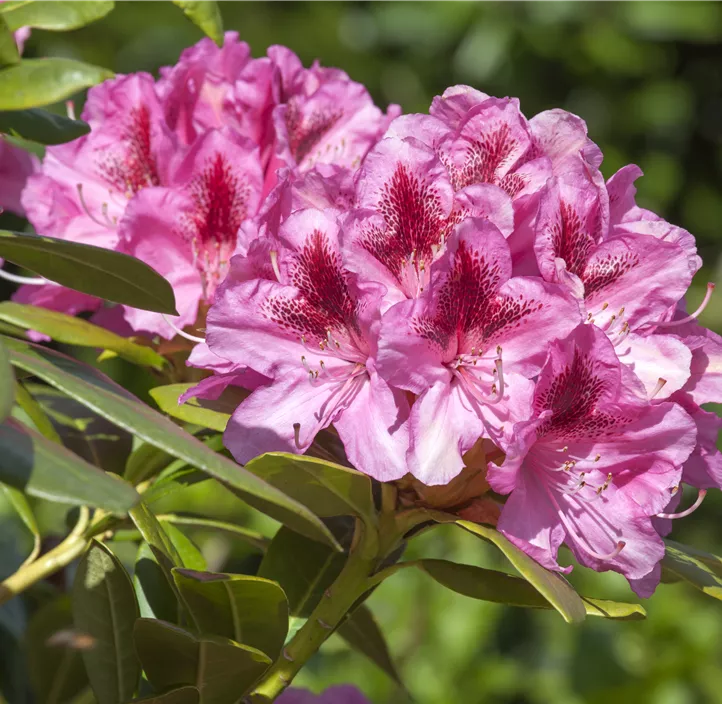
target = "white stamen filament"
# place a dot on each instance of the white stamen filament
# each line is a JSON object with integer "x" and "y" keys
{"x": 108, "y": 222}
{"x": 660, "y": 385}
{"x": 274, "y": 264}
{"x": 70, "y": 109}
{"x": 693, "y": 316}
{"x": 180, "y": 332}
{"x": 686, "y": 512}
{"x": 29, "y": 280}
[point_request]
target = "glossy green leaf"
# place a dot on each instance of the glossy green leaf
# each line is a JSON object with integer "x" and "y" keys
{"x": 502, "y": 588}
{"x": 7, "y": 384}
{"x": 194, "y": 410}
{"x": 248, "y": 610}
{"x": 52, "y": 15}
{"x": 33, "y": 83}
{"x": 182, "y": 695}
{"x": 41, "y": 468}
{"x": 156, "y": 597}
{"x": 22, "y": 508}
{"x": 701, "y": 569}
{"x": 204, "y": 14}
{"x": 87, "y": 434}
{"x": 362, "y": 633}
{"x": 154, "y": 534}
{"x": 553, "y": 587}
{"x": 220, "y": 669}
{"x": 96, "y": 271}
{"x": 114, "y": 403}
{"x": 35, "y": 412}
{"x": 75, "y": 331}
{"x": 190, "y": 556}
{"x": 56, "y": 669}
{"x": 41, "y": 126}
{"x": 253, "y": 537}
{"x": 8, "y": 48}
{"x": 327, "y": 489}
{"x": 105, "y": 608}
{"x": 303, "y": 568}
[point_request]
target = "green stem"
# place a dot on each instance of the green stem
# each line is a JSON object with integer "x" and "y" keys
{"x": 331, "y": 610}
{"x": 49, "y": 563}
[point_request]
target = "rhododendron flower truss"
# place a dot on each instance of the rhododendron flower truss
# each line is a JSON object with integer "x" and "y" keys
{"x": 468, "y": 346}
{"x": 594, "y": 464}
{"x": 314, "y": 333}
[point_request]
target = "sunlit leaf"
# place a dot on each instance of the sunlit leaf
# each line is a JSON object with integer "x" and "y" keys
{"x": 191, "y": 557}
{"x": 553, "y": 587}
{"x": 115, "y": 404}
{"x": 39, "y": 467}
{"x": 104, "y": 608}
{"x": 93, "y": 270}
{"x": 7, "y": 384}
{"x": 172, "y": 657}
{"x": 22, "y": 508}
{"x": 248, "y": 610}
{"x": 33, "y": 83}
{"x": 502, "y": 588}
{"x": 75, "y": 331}
{"x": 52, "y": 15}
{"x": 701, "y": 569}
{"x": 35, "y": 412}
{"x": 8, "y": 48}
{"x": 192, "y": 411}
{"x": 204, "y": 14}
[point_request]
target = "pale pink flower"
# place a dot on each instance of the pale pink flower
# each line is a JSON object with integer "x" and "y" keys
{"x": 340, "y": 694}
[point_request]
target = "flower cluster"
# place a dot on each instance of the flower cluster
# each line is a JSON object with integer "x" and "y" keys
{"x": 174, "y": 170}
{"x": 418, "y": 285}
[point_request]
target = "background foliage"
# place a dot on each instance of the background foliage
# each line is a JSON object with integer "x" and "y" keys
{"x": 647, "y": 77}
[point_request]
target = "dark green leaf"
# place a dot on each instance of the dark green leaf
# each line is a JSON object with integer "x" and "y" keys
{"x": 362, "y": 633}
{"x": 188, "y": 552}
{"x": 104, "y": 607}
{"x": 22, "y": 507}
{"x": 34, "y": 411}
{"x": 93, "y": 270}
{"x": 303, "y": 568}
{"x": 7, "y": 384}
{"x": 41, "y": 126}
{"x": 501, "y": 588}
{"x": 220, "y": 669}
{"x": 206, "y": 15}
{"x": 182, "y": 695}
{"x": 56, "y": 668}
{"x": 8, "y": 48}
{"x": 41, "y": 468}
{"x": 156, "y": 596}
{"x": 327, "y": 489}
{"x": 33, "y": 83}
{"x": 553, "y": 587}
{"x": 702, "y": 570}
{"x": 153, "y": 534}
{"x": 55, "y": 16}
{"x": 192, "y": 411}
{"x": 113, "y": 403}
{"x": 88, "y": 435}
{"x": 75, "y": 331}
{"x": 249, "y": 610}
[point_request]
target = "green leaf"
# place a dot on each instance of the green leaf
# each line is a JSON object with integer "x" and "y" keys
{"x": 75, "y": 331}
{"x": 327, "y": 489}
{"x": 194, "y": 410}
{"x": 220, "y": 669}
{"x": 153, "y": 534}
{"x": 502, "y": 588}
{"x": 54, "y": 16}
{"x": 35, "y": 412}
{"x": 36, "y": 82}
{"x": 104, "y": 607}
{"x": 22, "y": 508}
{"x": 553, "y": 587}
{"x": 93, "y": 270}
{"x": 182, "y": 695}
{"x": 7, "y": 384}
{"x": 248, "y": 610}
{"x": 188, "y": 552}
{"x": 115, "y": 404}
{"x": 41, "y": 468}
{"x": 258, "y": 540}
{"x": 303, "y": 568}
{"x": 8, "y": 48}
{"x": 156, "y": 597}
{"x": 144, "y": 462}
{"x": 56, "y": 670}
{"x": 41, "y": 126}
{"x": 362, "y": 633}
{"x": 206, "y": 15}
{"x": 701, "y": 569}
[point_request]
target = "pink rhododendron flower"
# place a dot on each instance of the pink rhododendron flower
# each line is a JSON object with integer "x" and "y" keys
{"x": 340, "y": 694}
{"x": 313, "y": 332}
{"x": 468, "y": 345}
{"x": 594, "y": 464}
{"x": 16, "y": 166}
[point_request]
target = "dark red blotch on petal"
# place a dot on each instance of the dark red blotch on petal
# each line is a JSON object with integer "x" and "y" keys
{"x": 305, "y": 134}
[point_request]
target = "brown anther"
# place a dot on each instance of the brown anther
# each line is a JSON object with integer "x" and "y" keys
{"x": 597, "y": 458}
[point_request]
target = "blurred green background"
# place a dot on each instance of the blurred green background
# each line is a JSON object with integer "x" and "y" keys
{"x": 647, "y": 78}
